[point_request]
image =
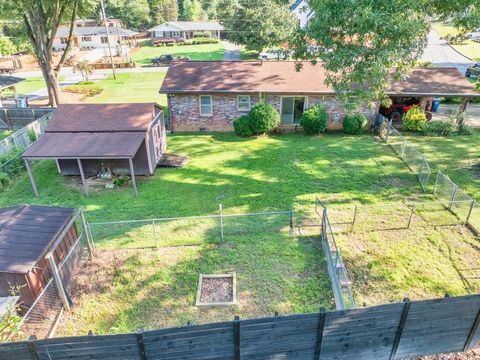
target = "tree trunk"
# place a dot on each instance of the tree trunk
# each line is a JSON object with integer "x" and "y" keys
{"x": 51, "y": 77}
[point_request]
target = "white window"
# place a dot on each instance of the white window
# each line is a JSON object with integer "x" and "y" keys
{"x": 176, "y": 34}
{"x": 243, "y": 102}
{"x": 206, "y": 105}
{"x": 63, "y": 40}
{"x": 87, "y": 38}
{"x": 104, "y": 40}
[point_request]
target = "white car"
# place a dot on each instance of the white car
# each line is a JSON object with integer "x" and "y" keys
{"x": 474, "y": 35}
{"x": 273, "y": 54}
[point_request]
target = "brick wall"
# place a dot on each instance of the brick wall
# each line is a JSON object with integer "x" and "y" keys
{"x": 185, "y": 111}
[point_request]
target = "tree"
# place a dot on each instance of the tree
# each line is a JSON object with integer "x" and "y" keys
{"x": 363, "y": 44}
{"x": 258, "y": 24}
{"x": 209, "y": 8}
{"x": 192, "y": 10}
{"x": 42, "y": 20}
{"x": 162, "y": 11}
{"x": 6, "y": 46}
{"x": 84, "y": 68}
{"x": 226, "y": 10}
{"x": 135, "y": 14}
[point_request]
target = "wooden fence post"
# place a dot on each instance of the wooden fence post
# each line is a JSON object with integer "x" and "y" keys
{"x": 141, "y": 345}
{"x": 401, "y": 326}
{"x": 410, "y": 220}
{"x": 320, "y": 327}
{"x": 31, "y": 346}
{"x": 90, "y": 245}
{"x": 58, "y": 282}
{"x": 472, "y": 333}
{"x": 236, "y": 333}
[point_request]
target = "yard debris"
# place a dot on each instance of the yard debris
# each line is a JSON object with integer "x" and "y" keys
{"x": 172, "y": 160}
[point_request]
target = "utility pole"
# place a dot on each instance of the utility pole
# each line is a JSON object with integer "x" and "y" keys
{"x": 108, "y": 39}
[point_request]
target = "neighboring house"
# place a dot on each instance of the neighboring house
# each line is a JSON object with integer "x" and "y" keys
{"x": 85, "y": 37}
{"x": 302, "y": 12}
{"x": 184, "y": 30}
{"x": 93, "y": 22}
{"x": 209, "y": 95}
{"x": 86, "y": 139}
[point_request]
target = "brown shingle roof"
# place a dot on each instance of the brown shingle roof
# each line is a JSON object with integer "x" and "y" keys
{"x": 26, "y": 232}
{"x": 281, "y": 77}
{"x": 101, "y": 117}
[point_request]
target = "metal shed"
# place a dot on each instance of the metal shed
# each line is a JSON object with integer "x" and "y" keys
{"x": 129, "y": 139}
{"x": 27, "y": 234}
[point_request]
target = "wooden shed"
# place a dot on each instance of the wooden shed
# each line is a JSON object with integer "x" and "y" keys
{"x": 84, "y": 139}
{"x": 27, "y": 234}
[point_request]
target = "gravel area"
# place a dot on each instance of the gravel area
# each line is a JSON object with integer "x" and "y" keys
{"x": 473, "y": 354}
{"x": 216, "y": 290}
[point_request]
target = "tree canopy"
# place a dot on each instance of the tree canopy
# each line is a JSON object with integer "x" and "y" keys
{"x": 259, "y": 24}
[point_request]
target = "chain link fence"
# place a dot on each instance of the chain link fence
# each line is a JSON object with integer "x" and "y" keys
{"x": 182, "y": 231}
{"x": 414, "y": 159}
{"x": 24, "y": 137}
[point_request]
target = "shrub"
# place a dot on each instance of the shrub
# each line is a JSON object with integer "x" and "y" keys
{"x": 88, "y": 89}
{"x": 414, "y": 120}
{"x": 32, "y": 135}
{"x": 200, "y": 41}
{"x": 440, "y": 128}
{"x": 202, "y": 34}
{"x": 354, "y": 124}
{"x": 242, "y": 126}
{"x": 120, "y": 181}
{"x": 464, "y": 129}
{"x": 314, "y": 120}
{"x": 263, "y": 118}
{"x": 4, "y": 180}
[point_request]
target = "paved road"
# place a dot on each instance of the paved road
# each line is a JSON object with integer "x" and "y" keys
{"x": 232, "y": 51}
{"x": 443, "y": 55}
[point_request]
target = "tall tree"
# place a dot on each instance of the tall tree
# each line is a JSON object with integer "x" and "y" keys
{"x": 191, "y": 10}
{"x": 163, "y": 10}
{"x": 363, "y": 43}
{"x": 258, "y": 24}
{"x": 42, "y": 19}
{"x": 226, "y": 10}
{"x": 135, "y": 14}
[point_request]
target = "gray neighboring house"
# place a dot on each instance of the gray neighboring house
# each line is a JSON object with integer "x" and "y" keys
{"x": 86, "y": 37}
{"x": 184, "y": 30}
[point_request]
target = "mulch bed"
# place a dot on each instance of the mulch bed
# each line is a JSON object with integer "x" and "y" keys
{"x": 216, "y": 290}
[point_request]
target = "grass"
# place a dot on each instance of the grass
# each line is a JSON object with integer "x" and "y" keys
{"x": 248, "y": 54}
{"x": 29, "y": 86}
{"x": 130, "y": 88}
{"x": 468, "y": 48}
{"x": 6, "y": 133}
{"x": 194, "y": 52}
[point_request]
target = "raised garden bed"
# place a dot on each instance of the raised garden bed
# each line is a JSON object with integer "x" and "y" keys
{"x": 216, "y": 290}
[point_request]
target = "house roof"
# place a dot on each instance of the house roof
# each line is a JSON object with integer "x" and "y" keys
{"x": 96, "y": 131}
{"x": 7, "y": 81}
{"x": 26, "y": 233}
{"x": 95, "y": 31}
{"x": 190, "y": 26}
{"x": 280, "y": 77}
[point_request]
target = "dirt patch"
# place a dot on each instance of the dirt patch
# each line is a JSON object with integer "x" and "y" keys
{"x": 216, "y": 290}
{"x": 469, "y": 355}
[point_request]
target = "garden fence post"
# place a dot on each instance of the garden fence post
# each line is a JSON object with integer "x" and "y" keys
{"x": 236, "y": 334}
{"x": 472, "y": 205}
{"x": 452, "y": 197}
{"x": 410, "y": 220}
{"x": 354, "y": 218}
{"x": 154, "y": 234}
{"x": 401, "y": 326}
{"x": 221, "y": 221}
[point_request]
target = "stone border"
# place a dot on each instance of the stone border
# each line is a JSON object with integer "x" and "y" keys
{"x": 210, "y": 276}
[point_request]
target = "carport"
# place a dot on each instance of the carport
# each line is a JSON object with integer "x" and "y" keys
{"x": 7, "y": 82}
{"x": 424, "y": 84}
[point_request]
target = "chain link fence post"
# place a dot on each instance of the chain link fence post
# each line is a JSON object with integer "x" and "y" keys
{"x": 472, "y": 205}
{"x": 90, "y": 246}
{"x": 452, "y": 198}
{"x": 402, "y": 149}
{"x": 58, "y": 282}
{"x": 355, "y": 212}
{"x": 410, "y": 220}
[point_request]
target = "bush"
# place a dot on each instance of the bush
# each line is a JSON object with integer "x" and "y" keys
{"x": 263, "y": 118}
{"x": 464, "y": 129}
{"x": 4, "y": 181}
{"x": 414, "y": 120}
{"x": 200, "y": 41}
{"x": 88, "y": 89}
{"x": 202, "y": 34}
{"x": 120, "y": 181}
{"x": 354, "y": 124}
{"x": 242, "y": 126}
{"x": 314, "y": 120}
{"x": 439, "y": 128}
{"x": 32, "y": 135}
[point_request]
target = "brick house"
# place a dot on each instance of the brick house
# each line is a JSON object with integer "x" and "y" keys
{"x": 209, "y": 95}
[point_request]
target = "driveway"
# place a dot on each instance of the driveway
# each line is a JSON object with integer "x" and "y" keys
{"x": 232, "y": 51}
{"x": 472, "y": 112}
{"x": 439, "y": 53}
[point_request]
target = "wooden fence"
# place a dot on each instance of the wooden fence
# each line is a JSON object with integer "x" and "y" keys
{"x": 392, "y": 331}
{"x": 16, "y": 118}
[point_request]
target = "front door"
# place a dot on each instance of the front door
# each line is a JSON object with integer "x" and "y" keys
{"x": 292, "y": 109}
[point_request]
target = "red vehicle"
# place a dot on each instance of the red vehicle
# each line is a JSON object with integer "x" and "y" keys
{"x": 400, "y": 107}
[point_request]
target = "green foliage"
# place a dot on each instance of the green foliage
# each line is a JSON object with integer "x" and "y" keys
{"x": 242, "y": 126}
{"x": 4, "y": 181}
{"x": 191, "y": 10}
{"x": 135, "y": 14}
{"x": 6, "y": 46}
{"x": 162, "y": 11}
{"x": 263, "y": 118}
{"x": 11, "y": 165}
{"x": 199, "y": 41}
{"x": 32, "y": 135}
{"x": 226, "y": 10}
{"x": 414, "y": 120}
{"x": 84, "y": 68}
{"x": 87, "y": 88}
{"x": 439, "y": 128}
{"x": 314, "y": 120}
{"x": 260, "y": 24}
{"x": 465, "y": 129}
{"x": 354, "y": 124}
{"x": 10, "y": 320}
{"x": 121, "y": 181}
{"x": 202, "y": 34}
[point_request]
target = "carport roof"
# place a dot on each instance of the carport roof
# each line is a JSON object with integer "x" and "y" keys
{"x": 7, "y": 81}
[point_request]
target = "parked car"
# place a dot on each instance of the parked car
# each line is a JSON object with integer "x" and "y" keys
{"x": 473, "y": 71}
{"x": 164, "y": 60}
{"x": 274, "y": 54}
{"x": 474, "y": 35}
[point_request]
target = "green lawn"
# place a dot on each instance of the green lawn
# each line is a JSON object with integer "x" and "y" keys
{"x": 194, "y": 52}
{"x": 468, "y": 48}
{"x": 130, "y": 88}
{"x": 6, "y": 133}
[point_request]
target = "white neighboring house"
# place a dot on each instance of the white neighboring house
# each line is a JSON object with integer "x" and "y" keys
{"x": 93, "y": 37}
{"x": 302, "y": 12}
{"x": 184, "y": 30}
